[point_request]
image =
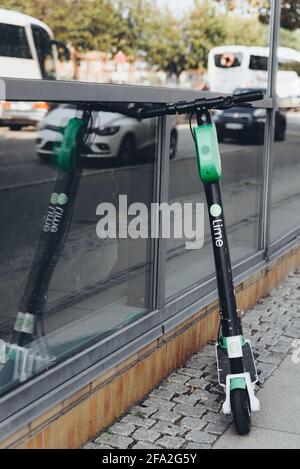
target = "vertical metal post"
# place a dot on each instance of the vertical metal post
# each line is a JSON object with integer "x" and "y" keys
{"x": 162, "y": 195}
{"x": 267, "y": 170}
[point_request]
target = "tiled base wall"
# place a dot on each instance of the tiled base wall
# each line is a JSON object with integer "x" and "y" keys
{"x": 74, "y": 421}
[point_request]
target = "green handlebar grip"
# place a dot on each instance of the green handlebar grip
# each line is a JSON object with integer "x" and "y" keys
{"x": 208, "y": 155}
{"x": 68, "y": 153}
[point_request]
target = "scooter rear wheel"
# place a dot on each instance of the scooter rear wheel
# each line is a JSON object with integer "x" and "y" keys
{"x": 240, "y": 406}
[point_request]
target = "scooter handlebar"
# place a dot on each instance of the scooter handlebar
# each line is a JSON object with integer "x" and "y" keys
{"x": 248, "y": 97}
{"x": 213, "y": 103}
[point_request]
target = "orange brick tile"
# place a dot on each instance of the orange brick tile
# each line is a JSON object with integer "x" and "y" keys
{"x": 76, "y": 397}
{"x": 30, "y": 443}
{"x": 93, "y": 414}
{"x": 107, "y": 407}
{"x": 113, "y": 401}
{"x": 85, "y": 427}
{"x": 55, "y": 435}
{"x": 70, "y": 427}
{"x": 63, "y": 440}
{"x": 15, "y": 438}
{"x": 47, "y": 437}
{"x": 39, "y": 440}
{"x": 137, "y": 382}
{"x": 46, "y": 417}
{"x": 125, "y": 398}
{"x": 108, "y": 375}
{"x": 100, "y": 409}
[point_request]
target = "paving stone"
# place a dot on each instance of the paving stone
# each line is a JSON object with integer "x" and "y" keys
{"x": 169, "y": 429}
{"x": 191, "y": 400}
{"x": 190, "y": 411}
{"x": 163, "y": 394}
{"x": 144, "y": 434}
{"x": 178, "y": 378}
{"x": 166, "y": 416}
{"x": 175, "y": 388}
{"x": 198, "y": 383}
{"x": 124, "y": 429}
{"x": 145, "y": 445}
{"x": 217, "y": 428}
{"x": 192, "y": 423}
{"x": 94, "y": 446}
{"x": 171, "y": 442}
{"x": 200, "y": 437}
{"x": 218, "y": 419}
{"x": 138, "y": 421}
{"x": 158, "y": 404}
{"x": 116, "y": 441}
{"x": 143, "y": 412}
{"x": 269, "y": 359}
{"x": 192, "y": 445}
{"x": 192, "y": 372}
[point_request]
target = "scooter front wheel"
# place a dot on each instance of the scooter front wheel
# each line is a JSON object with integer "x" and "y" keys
{"x": 240, "y": 407}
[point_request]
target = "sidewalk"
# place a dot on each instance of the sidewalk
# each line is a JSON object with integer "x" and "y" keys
{"x": 184, "y": 412}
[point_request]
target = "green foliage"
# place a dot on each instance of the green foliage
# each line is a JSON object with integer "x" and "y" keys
{"x": 204, "y": 29}
{"x": 143, "y": 29}
{"x": 290, "y": 17}
{"x": 290, "y": 39}
{"x": 245, "y": 31}
{"x": 290, "y": 12}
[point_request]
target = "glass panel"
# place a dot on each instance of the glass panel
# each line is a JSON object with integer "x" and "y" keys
{"x": 285, "y": 215}
{"x": 78, "y": 286}
{"x": 44, "y": 50}
{"x": 13, "y": 42}
{"x": 241, "y": 132}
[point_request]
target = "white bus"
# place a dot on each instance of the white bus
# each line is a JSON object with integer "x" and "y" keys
{"x": 27, "y": 50}
{"x": 27, "y": 47}
{"x": 232, "y": 67}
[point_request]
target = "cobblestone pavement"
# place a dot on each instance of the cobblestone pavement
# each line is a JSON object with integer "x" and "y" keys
{"x": 184, "y": 411}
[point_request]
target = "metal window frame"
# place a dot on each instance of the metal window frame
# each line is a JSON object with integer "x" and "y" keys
{"x": 267, "y": 171}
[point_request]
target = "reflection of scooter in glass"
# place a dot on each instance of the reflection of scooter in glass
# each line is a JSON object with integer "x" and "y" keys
{"x": 236, "y": 366}
{"x": 25, "y": 356}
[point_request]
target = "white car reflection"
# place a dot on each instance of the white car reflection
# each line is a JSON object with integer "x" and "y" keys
{"x": 113, "y": 135}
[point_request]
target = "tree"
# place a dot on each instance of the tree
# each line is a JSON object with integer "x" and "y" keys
{"x": 204, "y": 29}
{"x": 153, "y": 34}
{"x": 290, "y": 12}
{"x": 86, "y": 24}
{"x": 246, "y": 31}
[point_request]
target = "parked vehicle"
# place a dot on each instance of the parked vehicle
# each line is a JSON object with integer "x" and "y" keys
{"x": 231, "y": 67}
{"x": 243, "y": 122}
{"x": 113, "y": 135}
{"x": 19, "y": 114}
{"x": 27, "y": 50}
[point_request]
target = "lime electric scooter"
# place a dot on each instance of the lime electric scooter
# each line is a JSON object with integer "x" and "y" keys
{"x": 236, "y": 367}
{"x": 25, "y": 355}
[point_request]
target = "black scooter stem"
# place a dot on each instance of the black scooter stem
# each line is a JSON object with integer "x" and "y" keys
{"x": 54, "y": 230}
{"x": 53, "y": 233}
{"x": 230, "y": 324}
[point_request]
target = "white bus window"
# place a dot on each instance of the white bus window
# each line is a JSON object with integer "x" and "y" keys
{"x": 44, "y": 49}
{"x": 13, "y": 42}
{"x": 258, "y": 62}
{"x": 228, "y": 60}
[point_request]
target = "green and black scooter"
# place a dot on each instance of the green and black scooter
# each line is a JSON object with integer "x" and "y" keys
{"x": 236, "y": 366}
{"x": 26, "y": 354}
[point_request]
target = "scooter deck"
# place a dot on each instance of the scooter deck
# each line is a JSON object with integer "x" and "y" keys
{"x": 224, "y": 363}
